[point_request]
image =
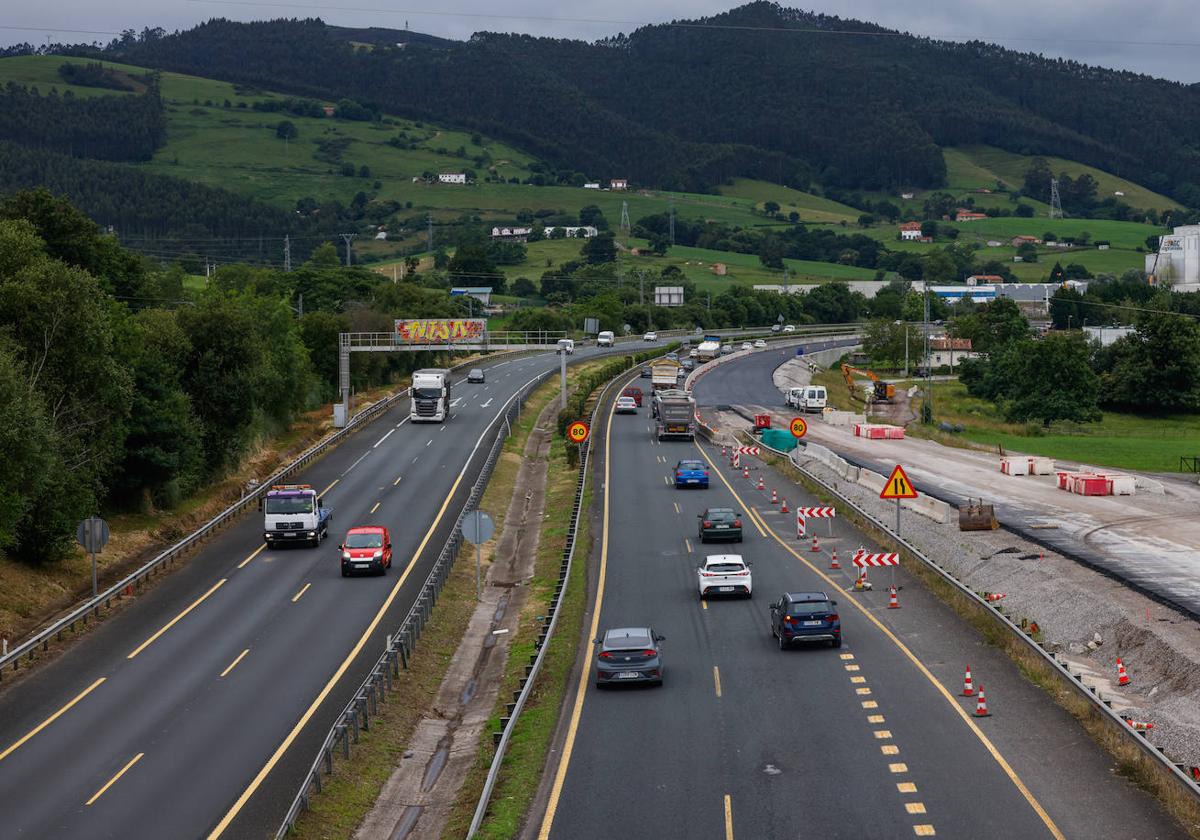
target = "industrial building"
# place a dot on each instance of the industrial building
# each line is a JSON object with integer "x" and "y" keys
{"x": 1177, "y": 263}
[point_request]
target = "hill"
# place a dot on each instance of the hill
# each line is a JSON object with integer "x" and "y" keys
{"x": 689, "y": 105}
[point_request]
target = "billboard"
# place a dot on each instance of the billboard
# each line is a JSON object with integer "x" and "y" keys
{"x": 440, "y": 330}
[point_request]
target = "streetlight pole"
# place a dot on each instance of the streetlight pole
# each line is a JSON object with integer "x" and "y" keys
{"x": 928, "y": 366}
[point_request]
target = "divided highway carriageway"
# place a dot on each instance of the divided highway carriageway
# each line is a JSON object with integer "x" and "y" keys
{"x": 196, "y": 710}
{"x": 869, "y": 740}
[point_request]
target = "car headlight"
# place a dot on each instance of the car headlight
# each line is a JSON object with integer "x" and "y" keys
{"x": 345, "y": 555}
{"x": 377, "y": 555}
{"x": 312, "y": 533}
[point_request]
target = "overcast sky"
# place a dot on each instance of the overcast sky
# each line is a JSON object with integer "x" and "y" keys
{"x": 1159, "y": 37}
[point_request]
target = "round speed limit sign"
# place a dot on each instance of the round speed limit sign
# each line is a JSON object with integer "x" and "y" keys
{"x": 799, "y": 427}
{"x": 578, "y": 432}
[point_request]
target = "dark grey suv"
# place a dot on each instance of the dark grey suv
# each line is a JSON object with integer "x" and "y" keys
{"x": 805, "y": 617}
{"x": 629, "y": 655}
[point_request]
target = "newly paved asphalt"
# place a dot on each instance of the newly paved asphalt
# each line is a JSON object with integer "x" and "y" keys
{"x": 867, "y": 741}
{"x": 202, "y": 738}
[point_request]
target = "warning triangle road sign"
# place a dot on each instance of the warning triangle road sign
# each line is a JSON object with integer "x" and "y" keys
{"x": 898, "y": 486}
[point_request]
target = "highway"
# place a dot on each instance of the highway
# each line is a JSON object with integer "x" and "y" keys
{"x": 745, "y": 740}
{"x": 197, "y": 709}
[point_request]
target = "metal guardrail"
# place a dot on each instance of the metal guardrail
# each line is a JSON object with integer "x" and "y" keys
{"x": 41, "y": 638}
{"x": 1175, "y": 770}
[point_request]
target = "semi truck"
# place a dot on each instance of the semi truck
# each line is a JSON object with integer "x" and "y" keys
{"x": 664, "y": 373}
{"x": 708, "y": 350}
{"x": 675, "y": 416}
{"x": 430, "y": 396}
{"x": 293, "y": 513}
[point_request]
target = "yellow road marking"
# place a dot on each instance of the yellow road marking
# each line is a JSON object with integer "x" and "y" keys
{"x": 898, "y": 767}
{"x": 906, "y": 787}
{"x": 372, "y": 510}
{"x": 870, "y": 704}
{"x": 924, "y": 831}
{"x": 688, "y": 543}
{"x": 17, "y": 744}
{"x": 847, "y": 655}
{"x": 327, "y": 489}
{"x": 874, "y": 718}
{"x": 257, "y": 781}
{"x": 858, "y": 679}
{"x": 851, "y": 667}
{"x": 717, "y": 679}
{"x": 925, "y": 672}
{"x": 677, "y": 510}
{"x": 564, "y": 760}
{"x": 862, "y": 691}
{"x": 397, "y": 481}
{"x": 113, "y": 780}
{"x": 914, "y": 807}
{"x": 257, "y": 551}
{"x": 889, "y": 749}
{"x": 234, "y": 663}
{"x": 728, "y": 818}
{"x": 303, "y": 589}
{"x": 703, "y": 603}
{"x": 883, "y": 734}
{"x": 176, "y": 619}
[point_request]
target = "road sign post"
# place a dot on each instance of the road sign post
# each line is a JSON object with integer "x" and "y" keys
{"x": 92, "y": 533}
{"x": 477, "y": 528}
{"x": 898, "y": 487}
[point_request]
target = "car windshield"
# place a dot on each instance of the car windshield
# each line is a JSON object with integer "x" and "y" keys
{"x": 289, "y": 504}
{"x": 725, "y": 568}
{"x": 364, "y": 541}
{"x": 475, "y": 372}
{"x": 807, "y": 607}
{"x": 719, "y": 515}
{"x": 427, "y": 393}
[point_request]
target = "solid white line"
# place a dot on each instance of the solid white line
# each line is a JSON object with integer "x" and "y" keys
{"x": 382, "y": 439}
{"x": 359, "y": 461}
{"x": 455, "y": 401}
{"x": 428, "y": 442}
{"x": 486, "y": 404}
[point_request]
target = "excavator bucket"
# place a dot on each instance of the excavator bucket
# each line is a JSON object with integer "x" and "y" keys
{"x": 977, "y": 517}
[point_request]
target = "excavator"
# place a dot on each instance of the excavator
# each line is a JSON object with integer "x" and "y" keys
{"x": 883, "y": 391}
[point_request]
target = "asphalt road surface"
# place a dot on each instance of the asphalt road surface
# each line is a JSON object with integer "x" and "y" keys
{"x": 199, "y": 708}
{"x": 745, "y": 740}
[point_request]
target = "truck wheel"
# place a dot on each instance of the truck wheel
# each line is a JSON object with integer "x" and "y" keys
{"x": 270, "y": 546}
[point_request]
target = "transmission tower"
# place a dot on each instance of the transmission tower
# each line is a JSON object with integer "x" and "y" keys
{"x": 671, "y": 223}
{"x": 1056, "y": 211}
{"x": 347, "y": 238}
{"x": 625, "y": 221}
{"x": 287, "y": 253}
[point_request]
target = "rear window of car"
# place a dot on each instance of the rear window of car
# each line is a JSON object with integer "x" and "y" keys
{"x": 807, "y": 607}
{"x": 725, "y": 568}
{"x": 719, "y": 514}
{"x": 628, "y": 642}
{"x": 691, "y": 465}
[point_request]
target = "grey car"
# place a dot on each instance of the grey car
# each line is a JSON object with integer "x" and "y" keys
{"x": 475, "y": 375}
{"x": 629, "y": 655}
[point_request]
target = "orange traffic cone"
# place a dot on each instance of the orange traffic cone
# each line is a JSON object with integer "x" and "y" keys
{"x": 981, "y": 709}
{"x": 745, "y": 472}
{"x": 893, "y": 602}
{"x": 774, "y": 497}
{"x": 761, "y": 485}
{"x": 784, "y": 508}
{"x": 833, "y": 563}
{"x": 992, "y": 597}
{"x": 1122, "y": 677}
{"x": 968, "y": 686}
{"x": 816, "y": 546}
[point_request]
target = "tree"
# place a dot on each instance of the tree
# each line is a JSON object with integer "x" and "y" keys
{"x": 590, "y": 214}
{"x": 1156, "y": 370}
{"x": 1036, "y": 183}
{"x": 1027, "y": 251}
{"x": 286, "y": 130}
{"x": 770, "y": 252}
{"x": 938, "y": 268}
{"x": 771, "y": 208}
{"x": 1055, "y": 380}
{"x": 929, "y": 228}
{"x": 1024, "y": 211}
{"x": 27, "y": 447}
{"x": 473, "y": 264}
{"x": 887, "y": 210}
{"x": 601, "y": 248}
{"x": 866, "y": 220}
{"x": 1057, "y": 274}
{"x": 524, "y": 287}
{"x": 324, "y": 255}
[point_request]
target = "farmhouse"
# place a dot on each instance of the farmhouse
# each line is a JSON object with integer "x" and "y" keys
{"x": 964, "y": 215}
{"x": 618, "y": 184}
{"x": 984, "y": 279}
{"x": 1018, "y": 241}
{"x": 575, "y": 231}
{"x": 452, "y": 178}
{"x": 910, "y": 230}
{"x": 946, "y": 352}
{"x": 511, "y": 234}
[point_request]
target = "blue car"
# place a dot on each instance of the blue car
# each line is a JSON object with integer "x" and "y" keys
{"x": 691, "y": 474}
{"x": 805, "y": 617}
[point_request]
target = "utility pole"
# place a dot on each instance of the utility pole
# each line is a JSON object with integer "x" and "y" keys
{"x": 672, "y": 223}
{"x": 347, "y": 238}
{"x": 301, "y": 307}
{"x": 710, "y": 302}
{"x": 625, "y": 222}
{"x": 429, "y": 233}
{"x": 928, "y": 366}
{"x": 287, "y": 253}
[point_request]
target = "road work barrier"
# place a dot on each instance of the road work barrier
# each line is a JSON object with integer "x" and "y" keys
{"x": 927, "y": 506}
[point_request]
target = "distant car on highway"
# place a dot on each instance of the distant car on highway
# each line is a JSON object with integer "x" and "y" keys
{"x": 805, "y": 617}
{"x": 626, "y": 405}
{"x": 724, "y": 574}
{"x": 367, "y": 548}
{"x": 629, "y": 655}
{"x": 650, "y": 336}
{"x": 635, "y": 392}
{"x": 475, "y": 375}
{"x": 788, "y": 328}
{"x": 760, "y": 343}
{"x": 687, "y": 364}
{"x": 746, "y": 345}
{"x": 720, "y": 524}
{"x": 776, "y": 328}
{"x": 726, "y": 349}
{"x": 645, "y": 374}
{"x": 691, "y": 473}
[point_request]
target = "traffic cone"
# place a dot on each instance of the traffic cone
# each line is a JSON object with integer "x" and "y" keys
{"x": 981, "y": 709}
{"x": 1122, "y": 677}
{"x": 724, "y": 451}
{"x": 1138, "y": 725}
{"x": 745, "y": 472}
{"x": 992, "y": 597}
{"x": 833, "y": 563}
{"x": 893, "y": 602}
{"x": 784, "y": 508}
{"x": 761, "y": 484}
{"x": 816, "y": 546}
{"x": 968, "y": 686}
{"x": 774, "y": 497}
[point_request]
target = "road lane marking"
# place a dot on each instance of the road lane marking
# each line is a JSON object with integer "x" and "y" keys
{"x": 356, "y": 463}
{"x": 397, "y": 481}
{"x": 1033, "y": 802}
{"x": 372, "y": 510}
{"x": 666, "y": 480}
{"x": 335, "y": 481}
{"x": 914, "y": 807}
{"x": 560, "y": 774}
{"x": 255, "y": 553}
{"x": 924, "y": 831}
{"x": 875, "y": 719}
{"x": 176, "y": 619}
{"x": 17, "y": 744}
{"x": 870, "y": 704}
{"x": 677, "y": 510}
{"x": 113, "y": 780}
{"x": 845, "y": 656}
{"x": 889, "y": 749}
{"x": 486, "y": 404}
{"x": 858, "y": 679}
{"x": 851, "y": 667}
{"x": 290, "y": 738}
{"x": 385, "y": 437}
{"x": 688, "y": 543}
{"x": 898, "y": 767}
{"x": 703, "y": 603}
{"x": 717, "y": 679}
{"x": 728, "y": 818}
{"x": 906, "y": 787}
{"x": 234, "y": 663}
{"x": 300, "y": 594}
{"x": 883, "y": 734}
{"x": 414, "y": 460}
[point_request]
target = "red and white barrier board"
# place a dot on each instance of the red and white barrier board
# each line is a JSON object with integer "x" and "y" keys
{"x": 749, "y": 450}
{"x": 803, "y": 514}
{"x": 877, "y": 431}
{"x": 862, "y": 558}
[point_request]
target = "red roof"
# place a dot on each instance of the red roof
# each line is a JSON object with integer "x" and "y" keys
{"x": 910, "y": 226}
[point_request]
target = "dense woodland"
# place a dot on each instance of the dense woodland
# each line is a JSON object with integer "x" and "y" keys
{"x": 734, "y": 94}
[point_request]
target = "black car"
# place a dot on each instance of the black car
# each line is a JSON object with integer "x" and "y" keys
{"x": 805, "y": 617}
{"x": 645, "y": 374}
{"x": 720, "y": 524}
{"x": 475, "y": 375}
{"x": 629, "y": 655}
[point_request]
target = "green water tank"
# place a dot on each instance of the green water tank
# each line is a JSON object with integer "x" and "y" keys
{"x": 781, "y": 439}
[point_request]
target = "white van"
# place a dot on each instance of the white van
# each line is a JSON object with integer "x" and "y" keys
{"x": 566, "y": 345}
{"x": 808, "y": 398}
{"x": 605, "y": 339}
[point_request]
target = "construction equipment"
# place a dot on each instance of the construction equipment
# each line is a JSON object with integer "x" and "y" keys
{"x": 976, "y": 516}
{"x": 881, "y": 391}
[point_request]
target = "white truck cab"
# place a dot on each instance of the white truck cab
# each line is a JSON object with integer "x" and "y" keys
{"x": 566, "y": 345}
{"x": 293, "y": 513}
{"x": 430, "y": 396}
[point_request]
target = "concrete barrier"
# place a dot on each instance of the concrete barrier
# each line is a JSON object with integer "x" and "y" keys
{"x": 926, "y": 506}
{"x": 838, "y": 464}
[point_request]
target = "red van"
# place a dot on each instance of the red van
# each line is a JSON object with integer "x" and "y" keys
{"x": 635, "y": 392}
{"x": 367, "y": 548}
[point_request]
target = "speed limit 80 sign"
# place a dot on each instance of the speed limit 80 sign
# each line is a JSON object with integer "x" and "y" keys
{"x": 799, "y": 427}
{"x": 578, "y": 432}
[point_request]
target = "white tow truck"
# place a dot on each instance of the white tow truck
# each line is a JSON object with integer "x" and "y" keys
{"x": 293, "y": 513}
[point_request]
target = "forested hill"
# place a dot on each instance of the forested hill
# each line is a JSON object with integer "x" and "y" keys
{"x": 761, "y": 91}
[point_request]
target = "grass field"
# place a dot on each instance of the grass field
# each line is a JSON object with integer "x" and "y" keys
{"x": 810, "y": 207}
{"x": 1127, "y": 441}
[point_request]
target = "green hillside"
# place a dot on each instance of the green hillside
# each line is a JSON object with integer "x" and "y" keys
{"x": 810, "y": 207}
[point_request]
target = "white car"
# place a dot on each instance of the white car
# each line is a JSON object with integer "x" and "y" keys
{"x": 789, "y": 328}
{"x": 760, "y": 343}
{"x": 693, "y": 353}
{"x": 650, "y": 336}
{"x": 626, "y": 405}
{"x": 724, "y": 574}
{"x": 746, "y": 345}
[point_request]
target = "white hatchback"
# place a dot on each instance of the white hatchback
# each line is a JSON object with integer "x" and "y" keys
{"x": 626, "y": 405}
{"x": 650, "y": 336}
{"x": 746, "y": 345}
{"x": 759, "y": 343}
{"x": 724, "y": 574}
